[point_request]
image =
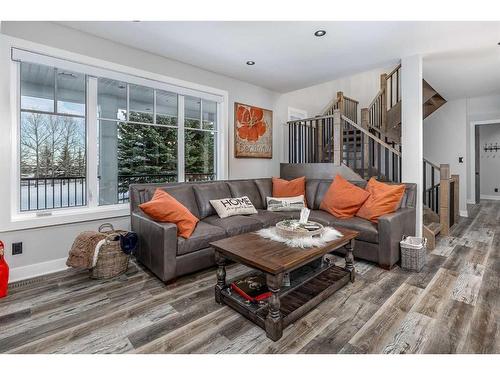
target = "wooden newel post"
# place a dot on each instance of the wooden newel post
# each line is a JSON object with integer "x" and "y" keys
{"x": 456, "y": 196}
{"x": 365, "y": 123}
{"x": 444, "y": 198}
{"x": 383, "y": 88}
{"x": 338, "y": 135}
{"x": 319, "y": 137}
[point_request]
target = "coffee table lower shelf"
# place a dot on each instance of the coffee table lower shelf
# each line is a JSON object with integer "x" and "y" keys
{"x": 295, "y": 301}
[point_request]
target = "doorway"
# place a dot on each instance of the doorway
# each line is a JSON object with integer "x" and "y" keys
{"x": 485, "y": 176}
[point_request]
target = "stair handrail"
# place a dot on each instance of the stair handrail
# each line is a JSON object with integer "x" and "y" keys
{"x": 309, "y": 119}
{"x": 431, "y": 163}
{"x": 370, "y": 135}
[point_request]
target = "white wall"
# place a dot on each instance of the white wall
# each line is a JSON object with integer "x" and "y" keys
{"x": 51, "y": 244}
{"x": 448, "y": 134}
{"x": 445, "y": 133}
{"x": 489, "y": 161}
{"x": 362, "y": 87}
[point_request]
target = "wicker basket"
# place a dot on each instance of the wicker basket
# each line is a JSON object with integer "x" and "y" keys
{"x": 112, "y": 261}
{"x": 285, "y": 230}
{"x": 413, "y": 253}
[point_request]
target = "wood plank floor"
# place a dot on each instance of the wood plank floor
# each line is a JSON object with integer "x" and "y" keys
{"x": 452, "y": 306}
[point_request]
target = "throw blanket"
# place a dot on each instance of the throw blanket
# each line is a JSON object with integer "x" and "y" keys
{"x": 82, "y": 252}
{"x": 329, "y": 234}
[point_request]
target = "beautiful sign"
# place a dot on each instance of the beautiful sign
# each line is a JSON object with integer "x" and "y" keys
{"x": 253, "y": 133}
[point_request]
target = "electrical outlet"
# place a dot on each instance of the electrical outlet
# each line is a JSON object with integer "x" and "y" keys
{"x": 496, "y": 190}
{"x": 17, "y": 248}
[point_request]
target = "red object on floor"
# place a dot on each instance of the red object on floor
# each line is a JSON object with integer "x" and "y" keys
{"x": 4, "y": 273}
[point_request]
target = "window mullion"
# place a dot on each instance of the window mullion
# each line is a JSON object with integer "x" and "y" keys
{"x": 128, "y": 102}
{"x": 55, "y": 90}
{"x": 92, "y": 141}
{"x": 154, "y": 107}
{"x": 180, "y": 139}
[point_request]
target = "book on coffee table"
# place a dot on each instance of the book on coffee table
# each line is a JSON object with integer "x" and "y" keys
{"x": 252, "y": 288}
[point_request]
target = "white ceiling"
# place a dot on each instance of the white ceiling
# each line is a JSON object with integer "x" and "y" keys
{"x": 289, "y": 57}
{"x": 464, "y": 74}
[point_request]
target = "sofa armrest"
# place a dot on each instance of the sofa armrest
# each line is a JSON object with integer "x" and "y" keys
{"x": 157, "y": 247}
{"x": 391, "y": 229}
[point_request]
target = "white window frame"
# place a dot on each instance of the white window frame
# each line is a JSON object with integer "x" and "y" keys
{"x": 40, "y": 54}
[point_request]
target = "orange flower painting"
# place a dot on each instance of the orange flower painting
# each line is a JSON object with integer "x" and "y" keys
{"x": 253, "y": 131}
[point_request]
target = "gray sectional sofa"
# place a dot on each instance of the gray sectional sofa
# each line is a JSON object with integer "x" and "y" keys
{"x": 169, "y": 256}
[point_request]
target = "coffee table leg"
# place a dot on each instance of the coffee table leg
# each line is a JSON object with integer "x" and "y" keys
{"x": 221, "y": 276}
{"x": 274, "y": 320}
{"x": 349, "y": 259}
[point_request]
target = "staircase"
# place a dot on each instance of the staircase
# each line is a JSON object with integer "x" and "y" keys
{"x": 440, "y": 198}
{"x": 372, "y": 146}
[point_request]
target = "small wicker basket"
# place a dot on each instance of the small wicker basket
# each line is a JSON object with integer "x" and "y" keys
{"x": 413, "y": 253}
{"x": 112, "y": 261}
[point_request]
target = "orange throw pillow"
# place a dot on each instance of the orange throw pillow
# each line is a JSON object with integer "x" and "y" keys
{"x": 343, "y": 199}
{"x": 285, "y": 189}
{"x": 384, "y": 199}
{"x": 165, "y": 208}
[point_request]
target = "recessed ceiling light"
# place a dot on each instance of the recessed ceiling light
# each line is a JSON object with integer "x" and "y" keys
{"x": 250, "y": 62}
{"x": 319, "y": 33}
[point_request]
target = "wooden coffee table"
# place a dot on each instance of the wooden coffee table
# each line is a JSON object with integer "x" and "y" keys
{"x": 310, "y": 285}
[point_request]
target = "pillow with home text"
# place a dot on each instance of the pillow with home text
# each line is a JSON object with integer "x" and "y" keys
{"x": 233, "y": 206}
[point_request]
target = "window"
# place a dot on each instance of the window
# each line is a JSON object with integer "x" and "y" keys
{"x": 52, "y": 138}
{"x": 200, "y": 135}
{"x": 140, "y": 148}
{"x": 85, "y": 137}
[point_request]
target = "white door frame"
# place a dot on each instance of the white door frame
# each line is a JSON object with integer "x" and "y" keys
{"x": 472, "y": 151}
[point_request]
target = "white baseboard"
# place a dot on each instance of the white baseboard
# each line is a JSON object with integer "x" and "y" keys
{"x": 463, "y": 213}
{"x": 38, "y": 269}
{"x": 491, "y": 197}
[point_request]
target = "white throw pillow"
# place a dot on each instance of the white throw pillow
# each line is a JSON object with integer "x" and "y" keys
{"x": 285, "y": 204}
{"x": 233, "y": 206}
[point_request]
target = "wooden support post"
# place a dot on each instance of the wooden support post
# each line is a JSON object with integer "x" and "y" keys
{"x": 444, "y": 198}
{"x": 456, "y": 196}
{"x": 365, "y": 123}
{"x": 319, "y": 138}
{"x": 338, "y": 138}
{"x": 383, "y": 87}
{"x": 341, "y": 102}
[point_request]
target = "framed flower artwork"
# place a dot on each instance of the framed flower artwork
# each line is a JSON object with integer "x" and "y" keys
{"x": 253, "y": 132}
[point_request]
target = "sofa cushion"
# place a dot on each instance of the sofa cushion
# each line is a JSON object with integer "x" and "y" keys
{"x": 321, "y": 217}
{"x": 200, "y": 239}
{"x": 265, "y": 186}
{"x": 207, "y": 191}
{"x": 321, "y": 190}
{"x": 267, "y": 218}
{"x": 368, "y": 231}
{"x": 166, "y": 209}
{"x": 235, "y": 224}
{"x": 184, "y": 194}
{"x": 343, "y": 199}
{"x": 311, "y": 189}
{"x": 246, "y": 188}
